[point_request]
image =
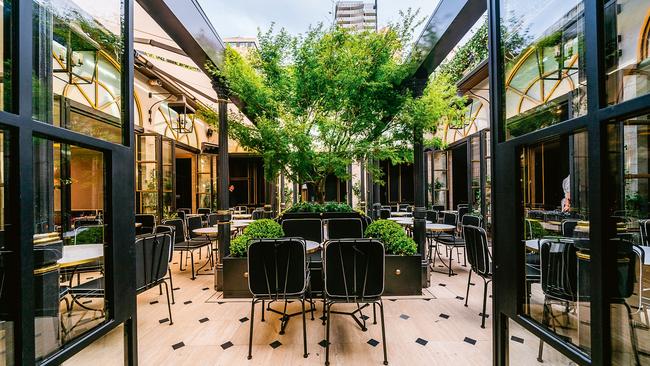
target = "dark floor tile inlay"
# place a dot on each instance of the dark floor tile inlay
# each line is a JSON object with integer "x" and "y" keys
{"x": 470, "y": 340}
{"x": 153, "y": 302}
{"x": 176, "y": 288}
{"x": 227, "y": 345}
{"x": 422, "y": 342}
{"x": 517, "y": 339}
{"x": 404, "y": 316}
{"x": 164, "y": 320}
{"x": 486, "y": 315}
{"x": 393, "y": 300}
{"x": 323, "y": 318}
{"x": 187, "y": 302}
{"x": 444, "y": 316}
{"x": 275, "y": 344}
{"x": 442, "y": 284}
{"x": 203, "y": 320}
{"x": 460, "y": 298}
{"x": 178, "y": 345}
{"x": 365, "y": 317}
{"x": 373, "y": 342}
{"x": 206, "y": 288}
{"x": 323, "y": 343}
{"x": 243, "y": 320}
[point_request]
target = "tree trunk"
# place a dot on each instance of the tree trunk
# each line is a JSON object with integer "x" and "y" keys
{"x": 319, "y": 186}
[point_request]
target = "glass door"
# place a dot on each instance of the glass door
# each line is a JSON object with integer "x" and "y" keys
{"x": 205, "y": 189}
{"x": 440, "y": 180}
{"x": 154, "y": 188}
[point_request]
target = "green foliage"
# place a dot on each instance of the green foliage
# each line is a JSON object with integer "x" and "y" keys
{"x": 322, "y": 100}
{"x": 314, "y": 207}
{"x": 258, "y": 229}
{"x": 90, "y": 235}
{"x": 467, "y": 56}
{"x": 395, "y": 240}
{"x": 538, "y": 230}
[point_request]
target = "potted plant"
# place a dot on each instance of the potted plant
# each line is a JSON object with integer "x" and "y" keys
{"x": 403, "y": 268}
{"x": 235, "y": 265}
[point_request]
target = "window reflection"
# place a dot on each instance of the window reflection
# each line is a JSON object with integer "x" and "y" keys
{"x": 544, "y": 64}
{"x": 554, "y": 192}
{"x": 78, "y": 48}
{"x": 627, "y": 46}
{"x": 6, "y": 248}
{"x": 7, "y": 28}
{"x": 68, "y": 243}
{"x": 628, "y": 215}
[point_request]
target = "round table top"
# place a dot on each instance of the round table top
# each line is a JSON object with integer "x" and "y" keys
{"x": 138, "y": 224}
{"x": 312, "y": 246}
{"x": 242, "y": 216}
{"x": 440, "y": 227}
{"x": 449, "y": 211}
{"x": 209, "y": 231}
{"x": 401, "y": 214}
{"x": 74, "y": 255}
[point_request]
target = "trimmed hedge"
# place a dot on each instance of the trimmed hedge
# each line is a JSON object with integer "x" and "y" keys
{"x": 395, "y": 240}
{"x": 258, "y": 229}
{"x": 319, "y": 208}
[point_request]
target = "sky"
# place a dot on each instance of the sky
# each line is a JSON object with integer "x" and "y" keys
{"x": 243, "y": 17}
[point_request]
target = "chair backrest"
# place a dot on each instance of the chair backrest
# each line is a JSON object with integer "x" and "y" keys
{"x": 643, "y": 227}
{"x": 344, "y": 228}
{"x": 472, "y": 220}
{"x": 437, "y": 208}
{"x": 181, "y": 214}
{"x": 87, "y": 222}
{"x": 203, "y": 211}
{"x": 308, "y": 229}
{"x": 568, "y": 227}
{"x": 179, "y": 229}
{"x": 186, "y": 210}
{"x": 384, "y": 213}
{"x": 354, "y": 269}
{"x": 402, "y": 207}
{"x": 277, "y": 267}
{"x": 432, "y": 216}
{"x": 241, "y": 209}
{"x": 213, "y": 219}
{"x": 462, "y": 211}
{"x": 559, "y": 269}
{"x": 147, "y": 220}
{"x": 257, "y": 214}
{"x": 449, "y": 218}
{"x": 478, "y": 254}
{"x": 194, "y": 222}
{"x": 166, "y": 229}
{"x": 152, "y": 259}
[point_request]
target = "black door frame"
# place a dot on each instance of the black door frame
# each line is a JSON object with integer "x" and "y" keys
{"x": 119, "y": 199}
{"x": 509, "y": 289}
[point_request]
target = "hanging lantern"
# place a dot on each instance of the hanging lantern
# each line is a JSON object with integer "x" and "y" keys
{"x": 76, "y": 54}
{"x": 184, "y": 122}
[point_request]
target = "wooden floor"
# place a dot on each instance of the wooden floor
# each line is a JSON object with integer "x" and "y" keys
{"x": 434, "y": 329}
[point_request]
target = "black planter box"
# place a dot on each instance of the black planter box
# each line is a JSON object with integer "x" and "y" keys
{"x": 403, "y": 275}
{"x": 235, "y": 278}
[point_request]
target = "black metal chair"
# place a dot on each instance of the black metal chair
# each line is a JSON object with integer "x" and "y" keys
{"x": 432, "y": 216}
{"x": 182, "y": 244}
{"x": 181, "y": 214}
{"x": 462, "y": 211}
{"x": 344, "y": 228}
{"x": 257, "y": 214}
{"x": 205, "y": 211}
{"x": 308, "y": 229}
{"x": 152, "y": 253}
{"x": 480, "y": 261}
{"x": 457, "y": 241}
{"x": 354, "y": 274}
{"x": 166, "y": 229}
{"x": 148, "y": 222}
{"x": 213, "y": 219}
{"x": 568, "y": 227}
{"x": 185, "y": 210}
{"x": 643, "y": 228}
{"x": 277, "y": 271}
{"x": 384, "y": 213}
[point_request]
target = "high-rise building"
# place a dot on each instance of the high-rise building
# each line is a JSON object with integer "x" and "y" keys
{"x": 357, "y": 15}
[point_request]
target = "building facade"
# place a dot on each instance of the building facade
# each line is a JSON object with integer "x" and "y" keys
{"x": 357, "y": 15}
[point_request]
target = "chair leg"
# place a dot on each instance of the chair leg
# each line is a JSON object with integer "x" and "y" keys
{"x": 304, "y": 327}
{"x": 633, "y": 338}
{"x": 169, "y": 306}
{"x": 383, "y": 331}
{"x": 192, "y": 259}
{"x": 485, "y": 286}
{"x": 541, "y": 343}
{"x": 450, "y": 258}
{"x": 263, "y": 310}
{"x": 171, "y": 285}
{"x": 374, "y": 313}
{"x": 160, "y": 289}
{"x": 327, "y": 335}
{"x": 469, "y": 279}
{"x": 250, "y": 335}
{"x": 285, "y": 319}
{"x": 180, "y": 261}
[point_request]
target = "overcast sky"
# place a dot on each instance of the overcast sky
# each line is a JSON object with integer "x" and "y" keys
{"x": 243, "y": 17}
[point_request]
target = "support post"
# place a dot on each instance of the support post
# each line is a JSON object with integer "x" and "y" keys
{"x": 420, "y": 214}
{"x": 362, "y": 181}
{"x": 223, "y": 198}
{"x": 376, "y": 195}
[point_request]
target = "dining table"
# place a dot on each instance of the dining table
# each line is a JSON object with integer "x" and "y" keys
{"x": 401, "y": 214}
{"x": 241, "y": 216}
{"x": 437, "y": 230}
{"x": 75, "y": 255}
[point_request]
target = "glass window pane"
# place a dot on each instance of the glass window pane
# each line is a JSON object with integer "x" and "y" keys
{"x": 544, "y": 68}
{"x": 629, "y": 210}
{"x": 554, "y": 191}
{"x": 68, "y": 219}
{"x": 7, "y": 27}
{"x": 627, "y": 49}
{"x": 78, "y": 48}
{"x": 523, "y": 348}
{"x": 6, "y": 246}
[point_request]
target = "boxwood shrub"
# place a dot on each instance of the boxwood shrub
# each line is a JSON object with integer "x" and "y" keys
{"x": 395, "y": 240}
{"x": 314, "y": 207}
{"x": 258, "y": 229}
